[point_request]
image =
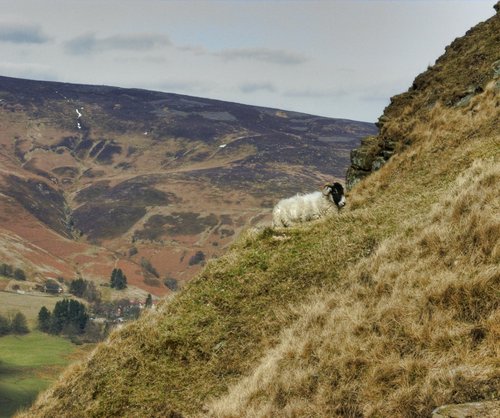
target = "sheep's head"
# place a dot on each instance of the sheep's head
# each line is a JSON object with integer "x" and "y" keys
{"x": 335, "y": 193}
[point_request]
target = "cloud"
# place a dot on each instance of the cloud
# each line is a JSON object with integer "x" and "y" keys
{"x": 316, "y": 93}
{"x": 253, "y": 87}
{"x": 273, "y": 56}
{"x": 134, "y": 59}
{"x": 194, "y": 49}
{"x": 22, "y": 33}
{"x": 89, "y": 43}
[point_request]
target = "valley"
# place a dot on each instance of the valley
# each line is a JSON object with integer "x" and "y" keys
{"x": 96, "y": 177}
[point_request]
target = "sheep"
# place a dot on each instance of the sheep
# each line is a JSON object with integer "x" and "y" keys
{"x": 303, "y": 208}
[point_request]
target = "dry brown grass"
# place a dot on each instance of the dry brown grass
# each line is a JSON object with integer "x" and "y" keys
{"x": 414, "y": 326}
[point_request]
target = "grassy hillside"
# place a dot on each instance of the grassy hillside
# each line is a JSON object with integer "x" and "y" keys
{"x": 390, "y": 308}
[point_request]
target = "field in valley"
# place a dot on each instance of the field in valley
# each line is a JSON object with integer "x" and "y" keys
{"x": 29, "y": 364}
{"x": 27, "y": 304}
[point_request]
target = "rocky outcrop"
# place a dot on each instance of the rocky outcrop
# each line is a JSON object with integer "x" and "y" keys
{"x": 369, "y": 157}
{"x": 489, "y": 409}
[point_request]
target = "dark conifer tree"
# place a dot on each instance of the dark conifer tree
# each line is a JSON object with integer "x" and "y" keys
{"x": 68, "y": 314}
{"x": 19, "y": 274}
{"x": 19, "y": 324}
{"x": 44, "y": 317}
{"x": 4, "y": 325}
{"x": 118, "y": 279}
{"x": 78, "y": 287}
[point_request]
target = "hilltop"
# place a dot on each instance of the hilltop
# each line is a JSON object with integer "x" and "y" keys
{"x": 97, "y": 177}
{"x": 389, "y": 308}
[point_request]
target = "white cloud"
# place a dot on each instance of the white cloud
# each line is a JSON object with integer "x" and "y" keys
{"x": 90, "y": 43}
{"x": 274, "y": 56}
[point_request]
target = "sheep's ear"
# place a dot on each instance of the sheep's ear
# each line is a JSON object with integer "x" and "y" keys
{"x": 327, "y": 189}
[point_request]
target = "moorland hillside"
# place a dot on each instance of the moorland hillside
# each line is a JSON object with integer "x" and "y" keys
{"x": 389, "y": 308}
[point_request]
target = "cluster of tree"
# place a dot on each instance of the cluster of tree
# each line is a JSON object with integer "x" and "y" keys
{"x": 68, "y": 317}
{"x": 197, "y": 258}
{"x": 8, "y": 271}
{"x": 85, "y": 289}
{"x": 17, "y": 324}
{"x": 72, "y": 318}
{"x": 118, "y": 279}
{"x": 148, "y": 268}
{"x": 171, "y": 283}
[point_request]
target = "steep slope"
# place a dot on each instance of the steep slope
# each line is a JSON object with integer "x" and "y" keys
{"x": 390, "y": 308}
{"x": 94, "y": 177}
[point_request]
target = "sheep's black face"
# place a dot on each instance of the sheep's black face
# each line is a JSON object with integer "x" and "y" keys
{"x": 335, "y": 193}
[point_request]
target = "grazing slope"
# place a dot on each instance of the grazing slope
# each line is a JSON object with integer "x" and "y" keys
{"x": 389, "y": 308}
{"x": 97, "y": 177}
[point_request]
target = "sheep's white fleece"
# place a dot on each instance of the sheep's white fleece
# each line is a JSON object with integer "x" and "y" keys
{"x": 301, "y": 208}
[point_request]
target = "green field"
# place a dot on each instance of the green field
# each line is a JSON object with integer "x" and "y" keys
{"x": 28, "y": 364}
{"x": 29, "y": 305}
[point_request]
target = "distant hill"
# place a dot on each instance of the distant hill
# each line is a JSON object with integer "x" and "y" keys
{"x": 94, "y": 177}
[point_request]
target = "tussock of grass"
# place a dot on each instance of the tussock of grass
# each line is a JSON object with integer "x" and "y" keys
{"x": 388, "y": 308}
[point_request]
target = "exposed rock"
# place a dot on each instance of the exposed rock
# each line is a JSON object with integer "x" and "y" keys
{"x": 378, "y": 162}
{"x": 467, "y": 95}
{"x": 490, "y": 409}
{"x": 354, "y": 176}
{"x": 365, "y": 159}
{"x": 362, "y": 158}
{"x": 381, "y": 120}
{"x": 496, "y": 68}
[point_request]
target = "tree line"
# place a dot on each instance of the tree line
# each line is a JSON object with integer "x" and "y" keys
{"x": 68, "y": 317}
{"x": 71, "y": 317}
{"x": 9, "y": 271}
{"x": 16, "y": 324}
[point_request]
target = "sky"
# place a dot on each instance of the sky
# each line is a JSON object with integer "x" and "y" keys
{"x": 341, "y": 59}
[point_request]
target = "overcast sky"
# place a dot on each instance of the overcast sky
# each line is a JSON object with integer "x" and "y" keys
{"x": 333, "y": 58}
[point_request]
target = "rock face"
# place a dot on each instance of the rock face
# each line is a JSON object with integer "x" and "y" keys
{"x": 489, "y": 409}
{"x": 440, "y": 85}
{"x": 367, "y": 158}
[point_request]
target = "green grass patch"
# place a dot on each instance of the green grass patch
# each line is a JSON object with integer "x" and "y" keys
{"x": 28, "y": 365}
